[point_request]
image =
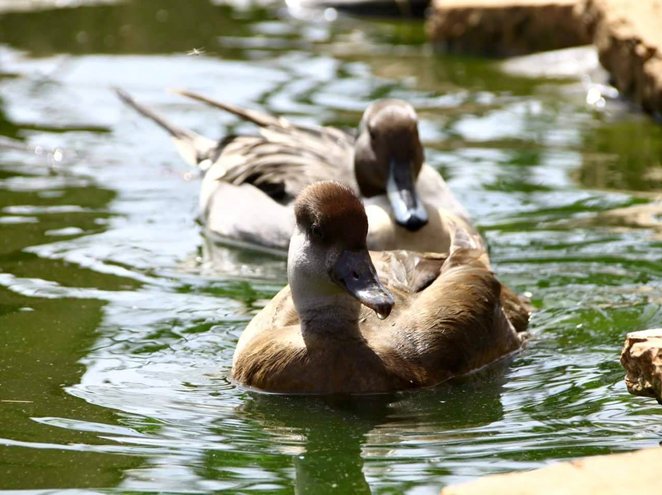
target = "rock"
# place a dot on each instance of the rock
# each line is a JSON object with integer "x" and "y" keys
{"x": 626, "y": 33}
{"x": 616, "y": 474}
{"x": 571, "y": 63}
{"x": 628, "y": 36}
{"x": 644, "y": 216}
{"x": 642, "y": 359}
{"x": 505, "y": 27}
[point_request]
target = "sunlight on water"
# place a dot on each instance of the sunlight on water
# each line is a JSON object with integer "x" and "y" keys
{"x": 119, "y": 321}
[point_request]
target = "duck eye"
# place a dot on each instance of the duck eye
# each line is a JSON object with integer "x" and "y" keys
{"x": 316, "y": 231}
{"x": 373, "y": 132}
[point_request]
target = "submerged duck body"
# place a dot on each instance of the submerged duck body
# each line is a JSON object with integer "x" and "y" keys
{"x": 250, "y": 182}
{"x": 325, "y": 332}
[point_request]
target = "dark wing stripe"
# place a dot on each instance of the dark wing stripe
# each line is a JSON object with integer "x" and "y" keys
{"x": 285, "y": 156}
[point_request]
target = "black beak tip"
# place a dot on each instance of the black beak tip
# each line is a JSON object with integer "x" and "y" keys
{"x": 414, "y": 223}
{"x": 384, "y": 306}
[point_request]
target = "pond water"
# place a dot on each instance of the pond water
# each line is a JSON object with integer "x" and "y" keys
{"x": 118, "y": 322}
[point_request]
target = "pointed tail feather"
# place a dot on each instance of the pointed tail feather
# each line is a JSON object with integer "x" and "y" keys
{"x": 466, "y": 248}
{"x": 194, "y": 148}
{"x": 257, "y": 118}
{"x": 173, "y": 130}
{"x": 462, "y": 237}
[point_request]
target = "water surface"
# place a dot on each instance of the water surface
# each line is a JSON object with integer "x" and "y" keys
{"x": 118, "y": 322}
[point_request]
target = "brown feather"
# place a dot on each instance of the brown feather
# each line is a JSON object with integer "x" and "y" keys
{"x": 335, "y": 211}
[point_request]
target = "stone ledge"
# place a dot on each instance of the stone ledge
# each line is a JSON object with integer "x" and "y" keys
{"x": 642, "y": 360}
{"x": 628, "y": 35}
{"x": 505, "y": 27}
{"x": 616, "y": 474}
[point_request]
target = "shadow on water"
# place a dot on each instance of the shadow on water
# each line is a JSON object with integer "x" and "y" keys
{"x": 331, "y": 436}
{"x": 624, "y": 155}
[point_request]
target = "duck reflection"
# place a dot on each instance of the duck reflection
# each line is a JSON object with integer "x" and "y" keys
{"x": 219, "y": 260}
{"x": 332, "y": 437}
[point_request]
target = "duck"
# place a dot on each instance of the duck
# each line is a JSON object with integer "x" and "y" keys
{"x": 250, "y": 182}
{"x": 351, "y": 321}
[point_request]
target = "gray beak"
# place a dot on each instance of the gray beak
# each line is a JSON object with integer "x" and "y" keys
{"x": 409, "y": 212}
{"x": 355, "y": 272}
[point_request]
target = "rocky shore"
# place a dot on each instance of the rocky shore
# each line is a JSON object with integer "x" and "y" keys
{"x": 627, "y": 35}
{"x": 505, "y": 27}
{"x": 642, "y": 360}
{"x": 629, "y": 41}
{"x": 616, "y": 474}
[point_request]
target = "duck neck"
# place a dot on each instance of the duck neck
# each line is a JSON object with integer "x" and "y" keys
{"x": 329, "y": 317}
{"x": 325, "y": 309}
{"x": 365, "y": 165}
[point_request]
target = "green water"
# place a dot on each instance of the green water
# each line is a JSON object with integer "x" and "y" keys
{"x": 118, "y": 323}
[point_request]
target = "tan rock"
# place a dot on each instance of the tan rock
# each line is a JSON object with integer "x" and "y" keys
{"x": 642, "y": 360}
{"x": 570, "y": 63}
{"x": 505, "y": 27}
{"x": 643, "y": 216}
{"x": 628, "y": 35}
{"x": 616, "y": 474}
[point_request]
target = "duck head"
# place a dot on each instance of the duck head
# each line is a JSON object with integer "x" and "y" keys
{"x": 388, "y": 157}
{"x": 328, "y": 258}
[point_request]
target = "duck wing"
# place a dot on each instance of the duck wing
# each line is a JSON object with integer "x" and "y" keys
{"x": 407, "y": 271}
{"x": 518, "y": 308}
{"x": 464, "y": 253}
{"x": 285, "y": 157}
{"x": 412, "y": 271}
{"x": 281, "y": 163}
{"x": 467, "y": 249}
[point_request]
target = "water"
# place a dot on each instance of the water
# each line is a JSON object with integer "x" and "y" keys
{"x": 118, "y": 324}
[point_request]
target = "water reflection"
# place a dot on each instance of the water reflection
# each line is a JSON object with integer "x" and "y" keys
{"x": 214, "y": 260}
{"x": 329, "y": 438}
{"x": 148, "y": 26}
{"x": 637, "y": 165}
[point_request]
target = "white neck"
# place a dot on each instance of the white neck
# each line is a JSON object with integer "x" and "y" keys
{"x": 323, "y": 306}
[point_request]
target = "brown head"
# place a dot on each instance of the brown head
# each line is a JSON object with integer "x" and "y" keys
{"x": 388, "y": 158}
{"x": 328, "y": 255}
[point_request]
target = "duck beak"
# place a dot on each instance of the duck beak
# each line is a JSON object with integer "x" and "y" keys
{"x": 408, "y": 210}
{"x": 355, "y": 273}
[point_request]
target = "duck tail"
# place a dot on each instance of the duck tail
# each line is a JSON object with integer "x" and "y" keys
{"x": 194, "y": 148}
{"x": 258, "y": 118}
{"x": 463, "y": 239}
{"x": 467, "y": 248}
{"x": 173, "y": 130}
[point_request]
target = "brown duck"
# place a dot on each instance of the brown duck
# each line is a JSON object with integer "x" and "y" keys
{"x": 344, "y": 326}
{"x": 251, "y": 182}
